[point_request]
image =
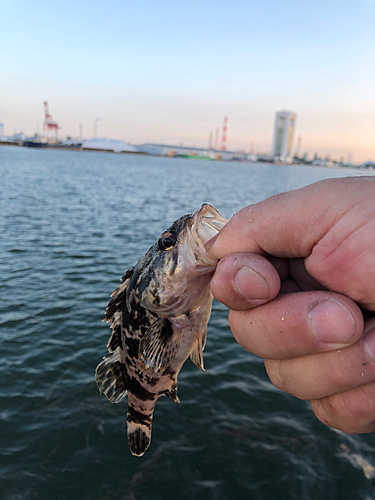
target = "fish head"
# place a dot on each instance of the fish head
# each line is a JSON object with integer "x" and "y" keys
{"x": 171, "y": 277}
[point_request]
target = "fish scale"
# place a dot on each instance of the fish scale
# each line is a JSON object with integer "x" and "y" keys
{"x": 159, "y": 317}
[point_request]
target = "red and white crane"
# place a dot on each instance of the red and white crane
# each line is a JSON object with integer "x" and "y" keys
{"x": 49, "y": 124}
{"x": 224, "y": 136}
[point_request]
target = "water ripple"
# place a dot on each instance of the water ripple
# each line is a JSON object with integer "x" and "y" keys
{"x": 72, "y": 223}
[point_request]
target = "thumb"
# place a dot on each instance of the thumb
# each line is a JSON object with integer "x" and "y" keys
{"x": 285, "y": 225}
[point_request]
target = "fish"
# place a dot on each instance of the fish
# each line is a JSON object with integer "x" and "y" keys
{"x": 159, "y": 316}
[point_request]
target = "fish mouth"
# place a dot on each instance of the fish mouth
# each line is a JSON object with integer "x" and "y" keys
{"x": 208, "y": 223}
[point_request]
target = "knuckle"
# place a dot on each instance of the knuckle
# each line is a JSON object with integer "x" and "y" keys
{"x": 319, "y": 407}
{"x": 272, "y": 367}
{"x": 238, "y": 330}
{"x": 233, "y": 323}
{"x": 276, "y": 373}
{"x": 337, "y": 411}
{"x": 282, "y": 377}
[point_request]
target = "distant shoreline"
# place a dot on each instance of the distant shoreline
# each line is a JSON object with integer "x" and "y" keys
{"x": 62, "y": 147}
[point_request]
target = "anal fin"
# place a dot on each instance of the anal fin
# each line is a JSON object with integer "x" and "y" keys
{"x": 196, "y": 354}
{"x": 111, "y": 377}
{"x": 172, "y": 392}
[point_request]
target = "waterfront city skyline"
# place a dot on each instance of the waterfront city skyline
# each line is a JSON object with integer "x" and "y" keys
{"x": 168, "y": 73}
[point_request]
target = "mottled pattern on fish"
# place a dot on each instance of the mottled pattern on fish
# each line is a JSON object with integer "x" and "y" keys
{"x": 159, "y": 317}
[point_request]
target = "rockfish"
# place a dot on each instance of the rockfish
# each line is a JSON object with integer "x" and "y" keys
{"x": 159, "y": 317}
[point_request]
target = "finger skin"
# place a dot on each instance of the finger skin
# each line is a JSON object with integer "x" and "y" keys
{"x": 300, "y": 276}
{"x": 290, "y": 224}
{"x": 351, "y": 412}
{"x": 339, "y": 384}
{"x": 281, "y": 329}
{"x": 330, "y": 224}
{"x": 262, "y": 282}
{"x": 320, "y": 375}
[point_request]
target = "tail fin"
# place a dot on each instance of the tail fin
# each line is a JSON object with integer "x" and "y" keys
{"x": 139, "y": 440}
{"x": 139, "y": 431}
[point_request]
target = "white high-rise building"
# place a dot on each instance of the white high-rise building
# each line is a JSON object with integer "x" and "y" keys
{"x": 1, "y": 129}
{"x": 285, "y": 124}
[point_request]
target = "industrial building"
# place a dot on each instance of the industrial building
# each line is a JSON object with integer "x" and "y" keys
{"x": 285, "y": 123}
{"x": 190, "y": 152}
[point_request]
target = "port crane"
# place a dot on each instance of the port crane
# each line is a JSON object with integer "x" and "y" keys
{"x": 49, "y": 124}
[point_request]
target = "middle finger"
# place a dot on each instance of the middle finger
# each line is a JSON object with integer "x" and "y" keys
{"x": 321, "y": 375}
{"x": 298, "y": 324}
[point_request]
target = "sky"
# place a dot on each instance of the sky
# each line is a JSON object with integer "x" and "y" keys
{"x": 168, "y": 72}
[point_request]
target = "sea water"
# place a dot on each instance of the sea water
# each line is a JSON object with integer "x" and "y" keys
{"x": 71, "y": 224}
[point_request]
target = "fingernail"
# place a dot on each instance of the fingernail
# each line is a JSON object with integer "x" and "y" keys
{"x": 369, "y": 344}
{"x": 331, "y": 322}
{"x": 250, "y": 284}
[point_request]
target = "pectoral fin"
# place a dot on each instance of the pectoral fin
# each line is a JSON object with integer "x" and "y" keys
{"x": 159, "y": 345}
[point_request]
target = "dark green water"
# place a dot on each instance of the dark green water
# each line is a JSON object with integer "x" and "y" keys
{"x": 71, "y": 223}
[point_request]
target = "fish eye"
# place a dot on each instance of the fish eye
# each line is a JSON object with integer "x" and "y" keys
{"x": 167, "y": 241}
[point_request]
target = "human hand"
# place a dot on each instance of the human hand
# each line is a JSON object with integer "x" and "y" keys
{"x": 295, "y": 271}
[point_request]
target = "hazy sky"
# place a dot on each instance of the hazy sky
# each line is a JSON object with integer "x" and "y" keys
{"x": 169, "y": 71}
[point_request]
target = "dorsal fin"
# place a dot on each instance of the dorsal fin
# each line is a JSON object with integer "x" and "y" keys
{"x": 159, "y": 345}
{"x": 114, "y": 311}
